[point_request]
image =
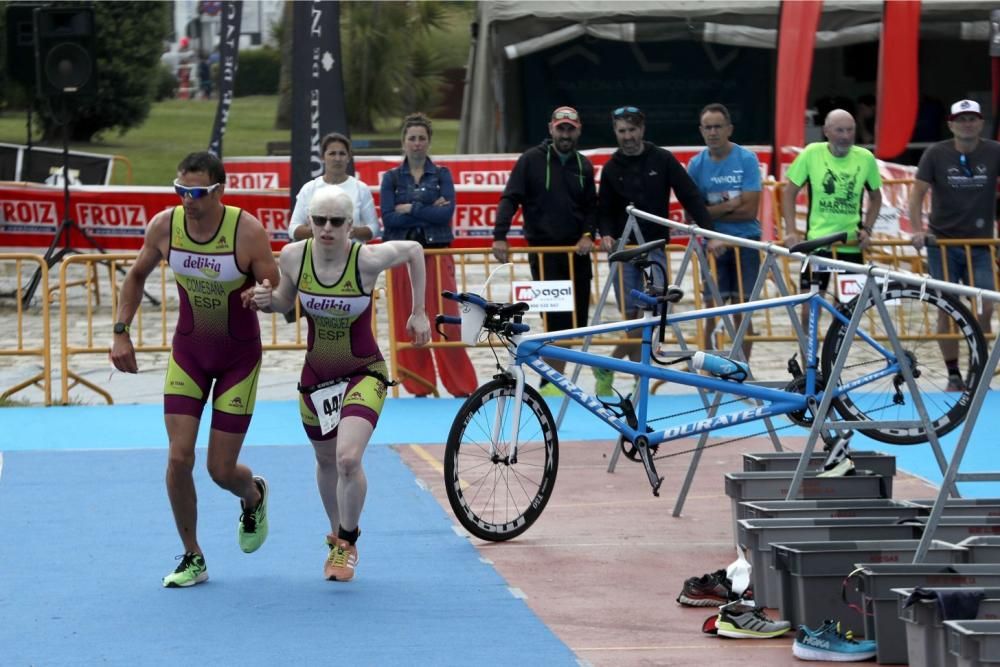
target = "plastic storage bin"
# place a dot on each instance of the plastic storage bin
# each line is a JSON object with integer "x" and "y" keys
{"x": 834, "y": 509}
{"x": 954, "y": 529}
{"x": 811, "y": 574}
{"x": 877, "y": 462}
{"x": 875, "y": 582}
{"x": 926, "y": 640}
{"x": 962, "y": 506}
{"x": 974, "y": 643}
{"x": 744, "y": 486}
{"x": 759, "y": 534}
{"x": 982, "y": 548}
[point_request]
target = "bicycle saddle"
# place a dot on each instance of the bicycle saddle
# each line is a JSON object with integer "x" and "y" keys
{"x": 638, "y": 251}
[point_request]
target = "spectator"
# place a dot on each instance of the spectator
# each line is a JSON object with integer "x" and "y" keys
{"x": 205, "y": 78}
{"x": 866, "y": 120}
{"x": 418, "y": 202}
{"x": 728, "y": 177}
{"x": 553, "y": 185}
{"x": 961, "y": 174}
{"x": 837, "y": 173}
{"x": 337, "y": 155}
{"x": 642, "y": 174}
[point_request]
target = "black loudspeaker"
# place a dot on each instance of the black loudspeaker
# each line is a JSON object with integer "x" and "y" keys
{"x": 64, "y": 51}
{"x": 21, "y": 43}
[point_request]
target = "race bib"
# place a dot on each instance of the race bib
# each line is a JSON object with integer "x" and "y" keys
{"x": 328, "y": 401}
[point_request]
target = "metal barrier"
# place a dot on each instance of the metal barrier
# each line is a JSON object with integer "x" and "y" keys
{"x": 26, "y": 341}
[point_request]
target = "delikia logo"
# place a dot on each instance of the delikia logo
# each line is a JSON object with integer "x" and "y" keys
{"x": 211, "y": 273}
{"x": 524, "y": 293}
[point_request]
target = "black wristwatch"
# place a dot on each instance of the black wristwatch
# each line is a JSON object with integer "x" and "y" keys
{"x": 122, "y": 328}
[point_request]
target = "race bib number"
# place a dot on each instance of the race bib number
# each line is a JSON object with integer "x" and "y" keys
{"x": 328, "y": 401}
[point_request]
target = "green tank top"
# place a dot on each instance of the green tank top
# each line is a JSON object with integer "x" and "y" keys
{"x": 209, "y": 281}
{"x": 340, "y": 318}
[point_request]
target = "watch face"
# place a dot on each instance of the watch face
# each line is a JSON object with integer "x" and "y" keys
{"x": 121, "y": 328}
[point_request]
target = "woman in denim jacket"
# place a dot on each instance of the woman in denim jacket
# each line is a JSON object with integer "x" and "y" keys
{"x": 417, "y": 199}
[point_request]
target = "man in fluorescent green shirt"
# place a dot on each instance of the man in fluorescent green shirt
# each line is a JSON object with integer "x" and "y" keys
{"x": 837, "y": 173}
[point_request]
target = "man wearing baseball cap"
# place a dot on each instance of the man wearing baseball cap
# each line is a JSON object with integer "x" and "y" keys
{"x": 553, "y": 185}
{"x": 961, "y": 174}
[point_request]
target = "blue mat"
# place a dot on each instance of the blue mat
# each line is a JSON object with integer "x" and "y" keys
{"x": 87, "y": 536}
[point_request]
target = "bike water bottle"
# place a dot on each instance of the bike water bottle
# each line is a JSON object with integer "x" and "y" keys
{"x": 727, "y": 369}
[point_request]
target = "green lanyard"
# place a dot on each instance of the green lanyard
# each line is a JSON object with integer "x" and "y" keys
{"x": 548, "y": 173}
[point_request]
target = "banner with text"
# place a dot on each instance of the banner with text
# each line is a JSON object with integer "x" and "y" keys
{"x": 229, "y": 53}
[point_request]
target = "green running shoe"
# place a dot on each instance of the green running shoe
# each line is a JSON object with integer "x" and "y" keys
{"x": 191, "y": 571}
{"x": 605, "y": 382}
{"x": 253, "y": 525}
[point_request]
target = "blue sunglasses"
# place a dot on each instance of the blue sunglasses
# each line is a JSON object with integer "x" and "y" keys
{"x": 196, "y": 192}
{"x": 621, "y": 111}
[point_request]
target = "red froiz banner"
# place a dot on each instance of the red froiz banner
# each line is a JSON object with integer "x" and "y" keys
{"x": 261, "y": 173}
{"x": 116, "y": 217}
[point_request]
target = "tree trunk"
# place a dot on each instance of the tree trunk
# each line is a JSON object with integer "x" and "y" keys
{"x": 283, "y": 120}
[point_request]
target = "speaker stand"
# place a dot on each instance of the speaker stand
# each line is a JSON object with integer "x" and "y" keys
{"x": 62, "y": 242}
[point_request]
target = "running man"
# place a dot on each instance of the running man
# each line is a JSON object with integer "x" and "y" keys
{"x": 216, "y": 252}
{"x": 343, "y": 382}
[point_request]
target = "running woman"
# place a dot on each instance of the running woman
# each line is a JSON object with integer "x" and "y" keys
{"x": 343, "y": 382}
{"x": 216, "y": 252}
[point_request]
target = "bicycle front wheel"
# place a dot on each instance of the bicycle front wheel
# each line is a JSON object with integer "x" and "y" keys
{"x": 916, "y": 321}
{"x": 494, "y": 495}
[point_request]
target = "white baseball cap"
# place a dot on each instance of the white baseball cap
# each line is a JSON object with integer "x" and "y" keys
{"x": 965, "y": 106}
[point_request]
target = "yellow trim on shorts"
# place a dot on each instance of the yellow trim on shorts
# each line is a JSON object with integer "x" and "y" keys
{"x": 241, "y": 397}
{"x": 177, "y": 382}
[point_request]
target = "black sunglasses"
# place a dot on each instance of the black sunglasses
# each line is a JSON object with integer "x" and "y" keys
{"x": 964, "y": 161}
{"x": 321, "y": 220}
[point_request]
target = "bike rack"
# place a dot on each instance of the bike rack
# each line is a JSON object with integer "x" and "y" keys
{"x": 949, "y": 469}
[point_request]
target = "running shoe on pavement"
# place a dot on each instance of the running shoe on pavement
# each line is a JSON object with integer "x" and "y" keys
{"x": 741, "y": 621}
{"x": 253, "y": 525}
{"x": 829, "y": 643}
{"x": 708, "y": 590}
{"x": 341, "y": 561}
{"x": 191, "y": 571}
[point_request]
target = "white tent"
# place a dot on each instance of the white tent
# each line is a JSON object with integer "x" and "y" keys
{"x": 508, "y": 30}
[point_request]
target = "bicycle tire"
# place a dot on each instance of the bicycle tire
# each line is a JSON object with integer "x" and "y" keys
{"x": 492, "y": 498}
{"x": 875, "y": 401}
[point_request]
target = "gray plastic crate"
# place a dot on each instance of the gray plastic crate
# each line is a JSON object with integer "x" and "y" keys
{"x": 974, "y": 643}
{"x": 878, "y": 462}
{"x": 811, "y": 574}
{"x": 814, "y": 509}
{"x": 743, "y": 486}
{"x": 954, "y": 529}
{"x": 926, "y": 642}
{"x": 982, "y": 548}
{"x": 759, "y": 534}
{"x": 876, "y": 581}
{"x": 962, "y": 506}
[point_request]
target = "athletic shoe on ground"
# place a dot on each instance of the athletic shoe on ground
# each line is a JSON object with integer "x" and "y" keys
{"x": 739, "y": 621}
{"x": 253, "y": 525}
{"x": 830, "y": 644}
{"x": 841, "y": 469}
{"x": 708, "y": 590}
{"x": 550, "y": 390}
{"x": 341, "y": 561}
{"x": 191, "y": 571}
{"x": 605, "y": 382}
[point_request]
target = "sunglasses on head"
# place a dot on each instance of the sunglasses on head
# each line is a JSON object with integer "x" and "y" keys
{"x": 196, "y": 192}
{"x": 621, "y": 111}
{"x": 565, "y": 114}
{"x": 321, "y": 220}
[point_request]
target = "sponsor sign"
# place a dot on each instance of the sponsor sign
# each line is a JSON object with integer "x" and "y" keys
{"x": 544, "y": 296}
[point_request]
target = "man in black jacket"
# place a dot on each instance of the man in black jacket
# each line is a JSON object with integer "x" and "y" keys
{"x": 641, "y": 174}
{"x": 553, "y": 184}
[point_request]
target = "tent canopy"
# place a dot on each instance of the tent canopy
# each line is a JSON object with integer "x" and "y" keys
{"x": 509, "y": 32}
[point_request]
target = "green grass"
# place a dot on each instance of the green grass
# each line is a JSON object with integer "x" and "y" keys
{"x": 177, "y": 127}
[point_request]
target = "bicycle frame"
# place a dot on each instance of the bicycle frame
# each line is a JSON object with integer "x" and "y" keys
{"x": 529, "y": 348}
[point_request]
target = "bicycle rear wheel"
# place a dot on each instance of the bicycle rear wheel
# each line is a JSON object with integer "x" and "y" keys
{"x": 915, "y": 320}
{"x": 493, "y": 497}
